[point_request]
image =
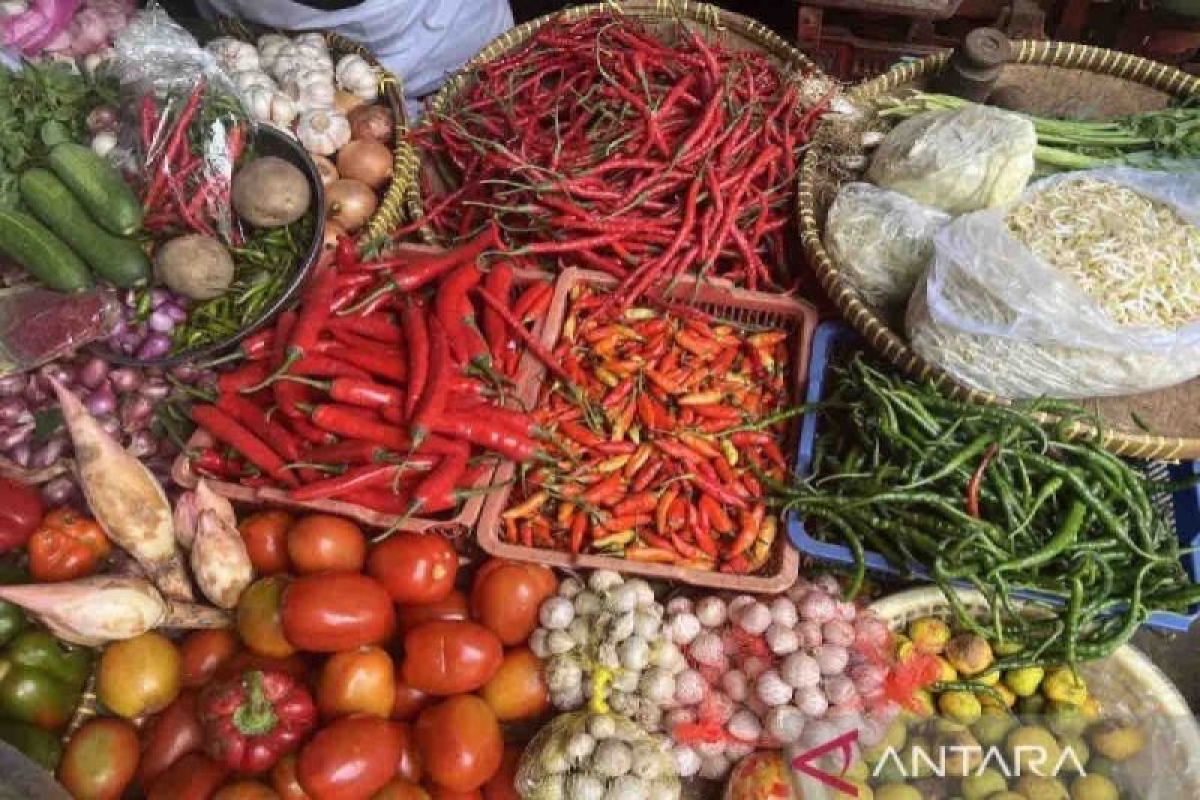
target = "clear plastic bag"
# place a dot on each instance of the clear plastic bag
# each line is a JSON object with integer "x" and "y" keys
{"x": 881, "y": 240}
{"x": 186, "y": 124}
{"x": 38, "y": 325}
{"x": 999, "y": 319}
{"x": 965, "y": 160}
{"x": 585, "y": 755}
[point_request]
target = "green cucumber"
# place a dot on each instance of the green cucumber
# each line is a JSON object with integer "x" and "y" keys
{"x": 99, "y": 186}
{"x": 35, "y": 247}
{"x": 119, "y": 261}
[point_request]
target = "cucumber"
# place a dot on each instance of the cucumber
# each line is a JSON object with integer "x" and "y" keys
{"x": 119, "y": 261}
{"x": 99, "y": 186}
{"x": 35, "y": 247}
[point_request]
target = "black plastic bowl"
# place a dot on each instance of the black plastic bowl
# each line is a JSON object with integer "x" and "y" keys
{"x": 269, "y": 141}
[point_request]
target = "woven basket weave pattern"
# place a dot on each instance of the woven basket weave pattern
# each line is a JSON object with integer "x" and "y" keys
{"x": 876, "y": 330}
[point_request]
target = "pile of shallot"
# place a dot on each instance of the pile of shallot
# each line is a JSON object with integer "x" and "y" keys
{"x": 791, "y": 670}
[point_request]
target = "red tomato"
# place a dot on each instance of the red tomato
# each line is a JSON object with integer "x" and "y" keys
{"x": 503, "y": 785}
{"x": 415, "y": 568}
{"x": 284, "y": 780}
{"x": 325, "y": 543}
{"x": 400, "y": 789}
{"x": 336, "y": 611}
{"x": 442, "y": 793}
{"x": 349, "y": 759}
{"x": 170, "y": 735}
{"x": 21, "y": 513}
{"x": 460, "y": 743}
{"x": 265, "y": 534}
{"x": 357, "y": 681}
{"x": 193, "y": 777}
{"x": 258, "y": 618}
{"x": 100, "y": 759}
{"x": 451, "y": 607}
{"x": 246, "y": 790}
{"x": 506, "y": 597}
{"x": 201, "y": 654}
{"x": 450, "y": 657}
{"x": 409, "y": 701}
{"x": 408, "y": 767}
{"x": 518, "y": 689}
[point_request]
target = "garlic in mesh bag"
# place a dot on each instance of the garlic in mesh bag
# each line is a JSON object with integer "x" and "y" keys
{"x": 1088, "y": 286}
{"x": 596, "y": 756}
{"x": 963, "y": 160}
{"x": 881, "y": 241}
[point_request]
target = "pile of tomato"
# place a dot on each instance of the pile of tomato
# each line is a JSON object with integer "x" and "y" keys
{"x": 356, "y": 669}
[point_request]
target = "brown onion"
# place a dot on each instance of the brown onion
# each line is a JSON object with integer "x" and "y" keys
{"x": 326, "y": 169}
{"x": 333, "y": 230}
{"x": 371, "y": 122}
{"x": 102, "y": 118}
{"x": 367, "y": 161}
{"x": 345, "y": 102}
{"x": 349, "y": 203}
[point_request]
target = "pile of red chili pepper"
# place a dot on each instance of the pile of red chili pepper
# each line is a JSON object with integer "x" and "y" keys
{"x": 388, "y": 387}
{"x": 644, "y": 154}
{"x": 187, "y": 182}
{"x": 663, "y": 445}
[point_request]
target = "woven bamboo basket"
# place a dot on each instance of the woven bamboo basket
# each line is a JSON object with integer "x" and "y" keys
{"x": 1056, "y": 79}
{"x": 727, "y": 27}
{"x": 401, "y": 199}
{"x": 1127, "y": 684}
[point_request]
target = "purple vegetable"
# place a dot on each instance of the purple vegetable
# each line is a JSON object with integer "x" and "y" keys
{"x": 136, "y": 412}
{"x": 11, "y": 411}
{"x": 37, "y": 390}
{"x": 48, "y": 453}
{"x": 58, "y": 491}
{"x": 93, "y": 372}
{"x": 158, "y": 296}
{"x": 15, "y": 436}
{"x": 142, "y": 444}
{"x": 101, "y": 402}
{"x": 156, "y": 345}
{"x": 12, "y": 385}
{"x": 110, "y": 425}
{"x": 21, "y": 454}
{"x": 185, "y": 373}
{"x": 128, "y": 342}
{"x": 125, "y": 379}
{"x": 175, "y": 311}
{"x": 161, "y": 322}
{"x": 59, "y": 372}
{"x": 155, "y": 389}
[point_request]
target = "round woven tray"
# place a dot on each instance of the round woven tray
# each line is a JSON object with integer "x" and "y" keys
{"x": 401, "y": 198}
{"x": 717, "y": 24}
{"x": 1056, "y": 79}
{"x": 1127, "y": 684}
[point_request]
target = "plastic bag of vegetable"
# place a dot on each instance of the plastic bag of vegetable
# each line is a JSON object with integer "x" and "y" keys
{"x": 185, "y": 125}
{"x": 1088, "y": 286}
{"x": 881, "y": 240}
{"x": 596, "y": 756}
{"x": 965, "y": 160}
{"x": 38, "y": 325}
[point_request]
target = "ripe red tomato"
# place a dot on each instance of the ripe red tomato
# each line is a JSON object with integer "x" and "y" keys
{"x": 284, "y": 780}
{"x": 259, "y": 617}
{"x": 400, "y": 789}
{"x": 415, "y": 568}
{"x": 442, "y": 793}
{"x": 265, "y": 534}
{"x": 21, "y": 513}
{"x": 203, "y": 652}
{"x": 325, "y": 543}
{"x": 518, "y": 689}
{"x": 170, "y": 735}
{"x": 451, "y": 607}
{"x": 359, "y": 681}
{"x": 193, "y": 777}
{"x": 246, "y": 790}
{"x": 503, "y": 785}
{"x": 409, "y": 701}
{"x": 100, "y": 759}
{"x": 450, "y": 657}
{"x": 506, "y": 597}
{"x": 349, "y": 759}
{"x": 460, "y": 743}
{"x": 331, "y": 611}
{"x": 408, "y": 767}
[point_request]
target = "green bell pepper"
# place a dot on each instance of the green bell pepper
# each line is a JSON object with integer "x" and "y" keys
{"x": 42, "y": 746}
{"x": 41, "y": 680}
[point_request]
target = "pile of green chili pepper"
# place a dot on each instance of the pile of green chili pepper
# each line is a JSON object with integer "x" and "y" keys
{"x": 993, "y": 498}
{"x": 263, "y": 265}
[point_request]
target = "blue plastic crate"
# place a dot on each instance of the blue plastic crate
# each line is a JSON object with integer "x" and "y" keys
{"x": 1182, "y": 507}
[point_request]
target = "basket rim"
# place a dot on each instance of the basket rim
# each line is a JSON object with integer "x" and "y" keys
{"x": 705, "y": 14}
{"x": 890, "y": 343}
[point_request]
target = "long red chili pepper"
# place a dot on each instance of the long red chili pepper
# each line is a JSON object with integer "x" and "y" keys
{"x": 453, "y": 310}
{"x": 379, "y": 327}
{"x": 436, "y": 492}
{"x": 476, "y": 429}
{"x": 358, "y": 392}
{"x": 224, "y": 429}
{"x": 530, "y": 342}
{"x": 380, "y": 361}
{"x": 255, "y": 419}
{"x": 354, "y": 451}
{"x": 433, "y": 398}
{"x": 349, "y": 421}
{"x": 416, "y": 336}
{"x": 973, "y": 485}
{"x": 371, "y": 476}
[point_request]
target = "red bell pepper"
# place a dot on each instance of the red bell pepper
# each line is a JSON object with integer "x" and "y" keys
{"x": 20, "y": 513}
{"x": 253, "y": 720}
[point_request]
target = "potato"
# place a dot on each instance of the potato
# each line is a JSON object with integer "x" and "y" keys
{"x": 195, "y": 266}
{"x": 270, "y": 192}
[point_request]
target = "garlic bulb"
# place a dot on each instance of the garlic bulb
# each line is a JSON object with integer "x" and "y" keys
{"x": 622, "y": 599}
{"x": 569, "y": 587}
{"x": 252, "y": 79}
{"x": 714, "y": 767}
{"x": 783, "y": 612}
{"x": 559, "y": 642}
{"x": 810, "y": 634}
{"x": 839, "y": 689}
{"x": 624, "y": 703}
{"x": 567, "y": 699}
{"x": 612, "y": 758}
{"x": 622, "y": 627}
{"x": 817, "y": 606}
{"x": 683, "y": 628}
{"x": 838, "y": 632}
{"x": 556, "y": 613}
{"x": 784, "y": 724}
{"x": 323, "y": 132}
{"x": 312, "y": 39}
{"x": 832, "y": 659}
{"x": 234, "y": 55}
{"x": 736, "y": 685}
{"x": 584, "y": 786}
{"x": 580, "y": 747}
{"x": 562, "y": 673}
{"x": 657, "y": 685}
{"x": 668, "y": 656}
{"x": 646, "y": 624}
{"x": 812, "y": 702}
{"x": 538, "y": 644}
{"x": 782, "y": 640}
{"x": 649, "y": 762}
{"x": 93, "y": 62}
{"x": 754, "y": 617}
{"x": 745, "y": 726}
{"x": 578, "y": 631}
{"x": 648, "y": 715}
{"x": 607, "y": 655}
{"x": 690, "y": 687}
{"x": 772, "y": 689}
{"x": 626, "y": 787}
{"x": 711, "y": 612}
{"x": 678, "y": 716}
{"x": 269, "y": 45}
{"x": 104, "y": 143}
{"x": 707, "y": 749}
{"x": 687, "y": 760}
{"x": 679, "y": 605}
{"x": 739, "y": 603}
{"x": 626, "y": 681}
{"x": 800, "y": 671}
{"x": 270, "y": 105}
{"x": 311, "y": 95}
{"x": 356, "y": 76}
{"x": 754, "y": 666}
{"x": 635, "y": 653}
{"x": 603, "y": 580}
{"x": 708, "y": 649}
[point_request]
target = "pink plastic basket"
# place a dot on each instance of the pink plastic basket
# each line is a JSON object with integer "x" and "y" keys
{"x": 724, "y": 301}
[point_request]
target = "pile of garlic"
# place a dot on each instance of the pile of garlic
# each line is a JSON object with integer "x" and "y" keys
{"x": 288, "y": 81}
{"x": 608, "y": 636}
{"x": 771, "y": 672}
{"x": 590, "y": 756}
